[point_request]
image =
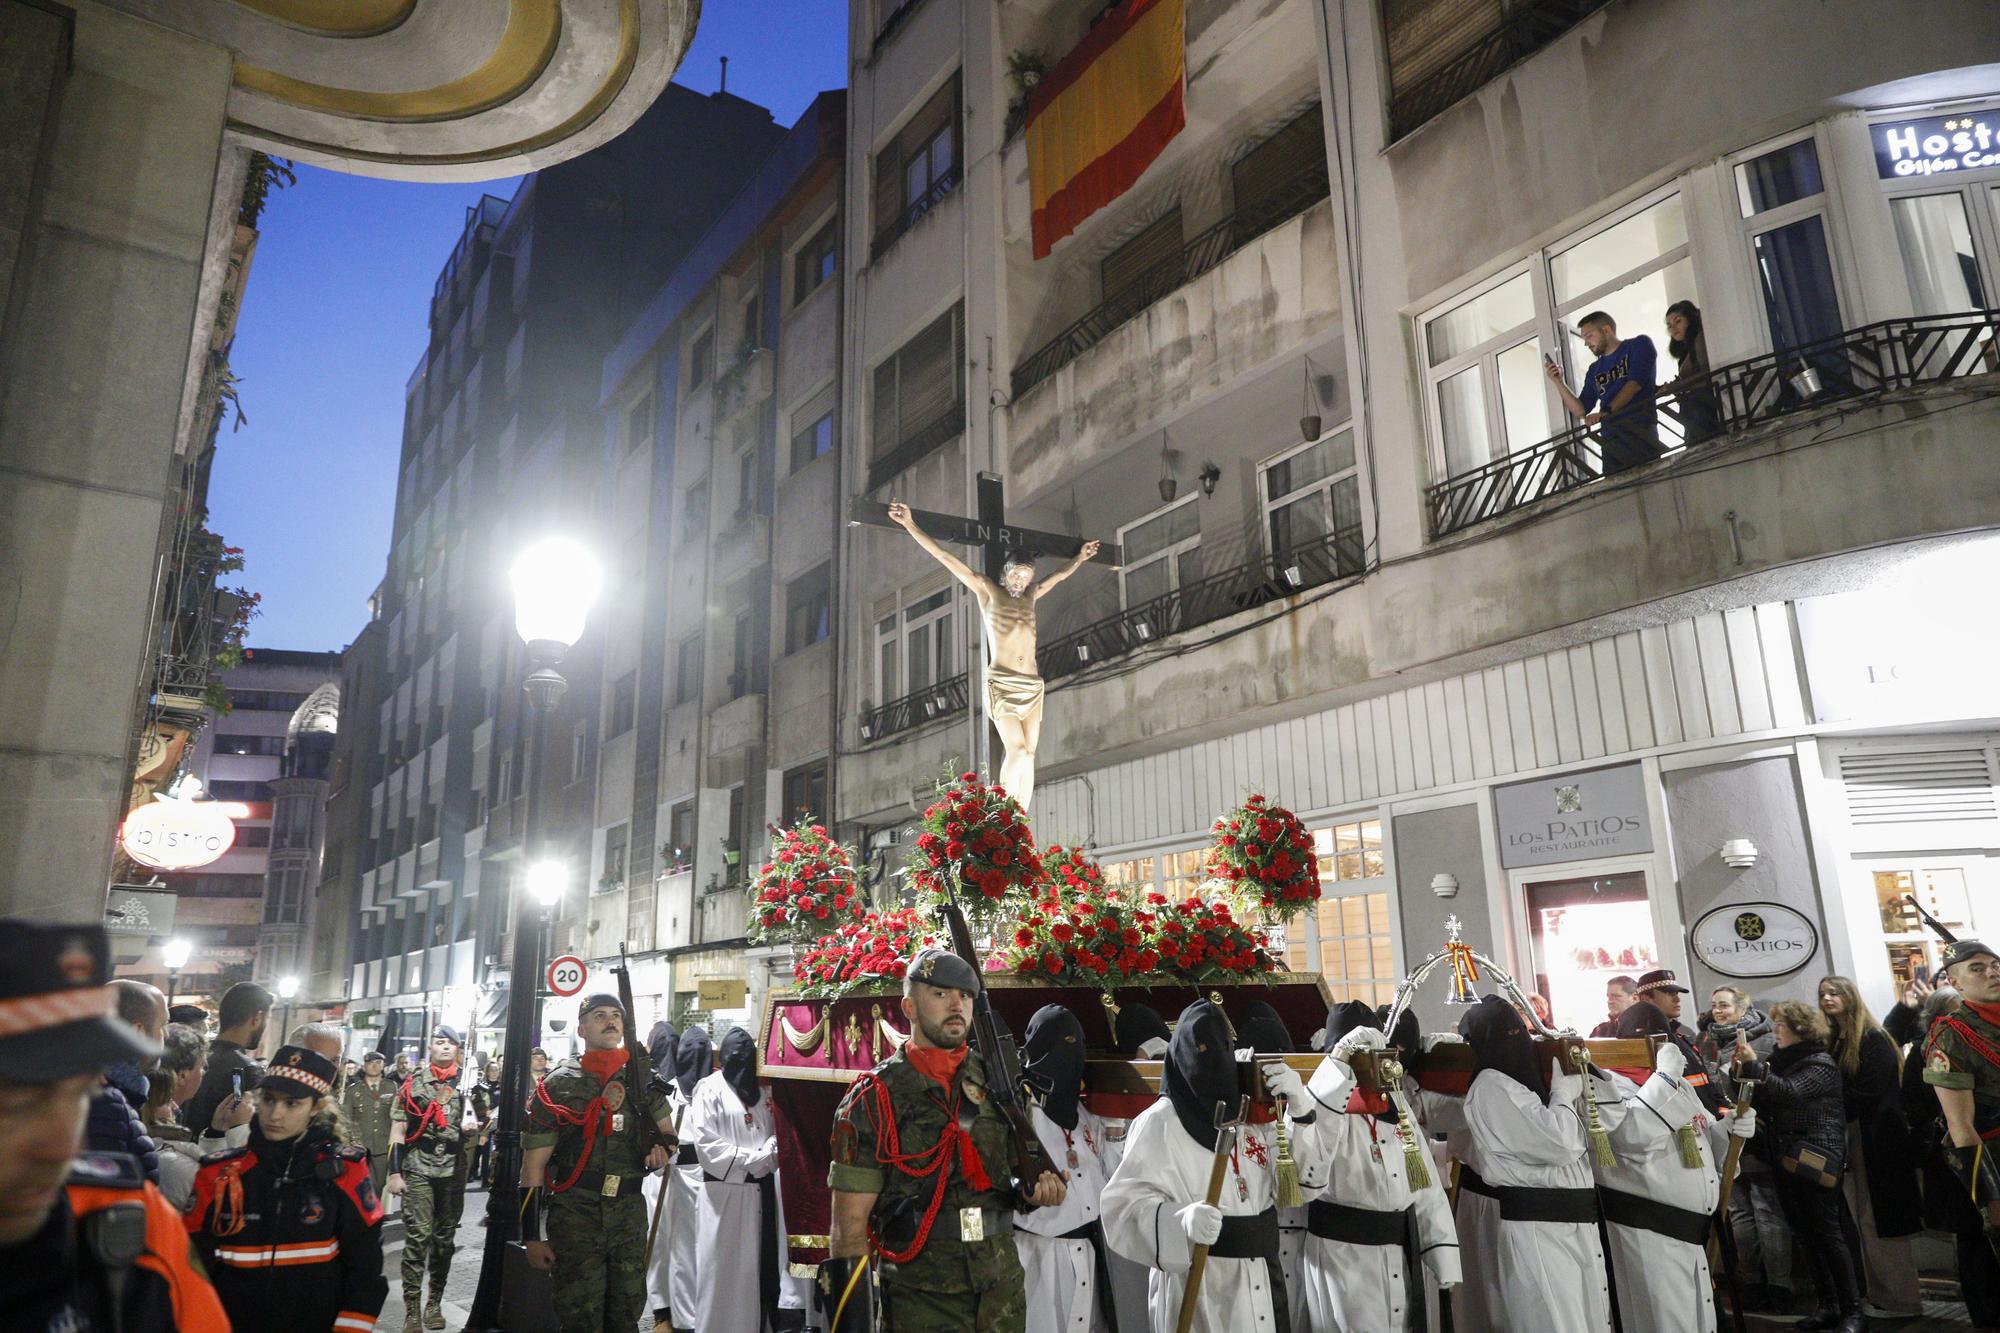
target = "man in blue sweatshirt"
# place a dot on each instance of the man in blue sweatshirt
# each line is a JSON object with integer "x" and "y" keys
{"x": 1617, "y": 392}
{"x": 114, "y": 1124}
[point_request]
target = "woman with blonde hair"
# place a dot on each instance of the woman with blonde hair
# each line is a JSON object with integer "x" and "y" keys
{"x": 1880, "y": 1183}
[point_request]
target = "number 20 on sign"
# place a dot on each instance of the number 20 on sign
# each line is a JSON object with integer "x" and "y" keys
{"x": 566, "y": 974}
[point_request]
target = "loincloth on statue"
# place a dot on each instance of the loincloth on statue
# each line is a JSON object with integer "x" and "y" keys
{"x": 1012, "y": 693}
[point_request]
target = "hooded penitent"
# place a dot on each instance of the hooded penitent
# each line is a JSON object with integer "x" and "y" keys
{"x": 739, "y": 1066}
{"x": 1343, "y": 1018}
{"x": 1054, "y": 1061}
{"x": 694, "y": 1059}
{"x": 1498, "y": 1037}
{"x": 661, "y": 1045}
{"x": 1263, "y": 1031}
{"x": 1136, "y": 1025}
{"x": 1643, "y": 1019}
{"x": 1201, "y": 1071}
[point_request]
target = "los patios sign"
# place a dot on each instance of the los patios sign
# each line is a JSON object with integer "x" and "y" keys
{"x": 1575, "y": 817}
{"x": 1754, "y": 939}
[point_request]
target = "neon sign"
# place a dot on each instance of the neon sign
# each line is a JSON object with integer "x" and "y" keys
{"x": 1936, "y": 145}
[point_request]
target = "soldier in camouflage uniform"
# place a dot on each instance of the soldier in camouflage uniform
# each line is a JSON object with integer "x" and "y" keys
{"x": 898, "y": 1144}
{"x": 365, "y": 1104}
{"x": 1962, "y": 1062}
{"x": 425, "y": 1160}
{"x": 583, "y": 1156}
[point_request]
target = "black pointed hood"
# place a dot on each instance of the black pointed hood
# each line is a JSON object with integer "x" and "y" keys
{"x": 1136, "y": 1024}
{"x": 1499, "y": 1038}
{"x": 1263, "y": 1031}
{"x": 1343, "y": 1018}
{"x": 694, "y": 1059}
{"x": 1407, "y": 1037}
{"x": 1053, "y": 1059}
{"x": 739, "y": 1066}
{"x": 661, "y": 1045}
{"x": 1201, "y": 1071}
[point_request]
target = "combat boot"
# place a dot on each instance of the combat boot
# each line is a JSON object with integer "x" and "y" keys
{"x": 434, "y": 1311}
{"x": 413, "y": 1322}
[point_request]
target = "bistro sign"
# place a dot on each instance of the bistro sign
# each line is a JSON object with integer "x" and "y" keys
{"x": 1754, "y": 939}
{"x": 1576, "y": 817}
{"x": 1938, "y": 144}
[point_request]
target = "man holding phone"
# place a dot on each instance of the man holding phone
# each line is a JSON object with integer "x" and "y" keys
{"x": 1617, "y": 391}
{"x": 232, "y": 1062}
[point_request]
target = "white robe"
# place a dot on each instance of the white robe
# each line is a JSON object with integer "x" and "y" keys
{"x": 1062, "y": 1274}
{"x": 1663, "y": 1283}
{"x": 682, "y": 1228}
{"x": 737, "y": 1147}
{"x": 659, "y": 1264}
{"x": 1128, "y": 1277}
{"x": 1163, "y": 1171}
{"x": 1528, "y": 1277}
{"x": 1362, "y": 1288}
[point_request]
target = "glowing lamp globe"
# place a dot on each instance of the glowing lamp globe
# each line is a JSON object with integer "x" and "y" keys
{"x": 288, "y": 987}
{"x": 176, "y": 952}
{"x": 555, "y": 581}
{"x": 546, "y": 881}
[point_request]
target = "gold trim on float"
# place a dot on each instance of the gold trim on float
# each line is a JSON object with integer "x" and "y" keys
{"x": 335, "y": 18}
{"x": 524, "y": 50}
{"x": 600, "y": 101}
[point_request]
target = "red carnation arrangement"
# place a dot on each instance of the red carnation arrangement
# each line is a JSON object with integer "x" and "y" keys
{"x": 806, "y": 887}
{"x": 1080, "y": 933}
{"x": 1201, "y": 941}
{"x": 978, "y": 831}
{"x": 875, "y": 949}
{"x": 1071, "y": 869}
{"x": 1265, "y": 856}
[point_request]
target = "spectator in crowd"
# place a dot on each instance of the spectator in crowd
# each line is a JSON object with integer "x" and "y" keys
{"x": 400, "y": 1070}
{"x": 485, "y": 1099}
{"x": 232, "y": 1060}
{"x": 1905, "y": 1022}
{"x": 1880, "y": 1183}
{"x": 115, "y": 1124}
{"x": 1656, "y": 1008}
{"x": 1617, "y": 996}
{"x": 1763, "y": 1239}
{"x": 1540, "y": 1004}
{"x": 365, "y": 1105}
{"x": 1800, "y": 1120}
{"x": 190, "y": 1016}
{"x": 1618, "y": 392}
{"x": 1700, "y": 409}
{"x": 183, "y": 1056}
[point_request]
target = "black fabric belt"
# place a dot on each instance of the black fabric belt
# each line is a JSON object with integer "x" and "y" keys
{"x": 1356, "y": 1226}
{"x": 1089, "y": 1231}
{"x": 1529, "y": 1203}
{"x": 592, "y": 1183}
{"x": 1254, "y": 1236}
{"x": 1635, "y": 1210}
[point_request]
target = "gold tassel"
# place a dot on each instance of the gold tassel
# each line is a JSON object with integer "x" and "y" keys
{"x": 1600, "y": 1142}
{"x": 1690, "y": 1149}
{"x": 1287, "y": 1171}
{"x": 1416, "y": 1160}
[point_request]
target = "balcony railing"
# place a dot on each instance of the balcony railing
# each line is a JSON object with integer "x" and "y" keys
{"x": 919, "y": 442}
{"x": 914, "y": 211}
{"x": 1195, "y": 258}
{"x": 914, "y": 709}
{"x": 1530, "y": 26}
{"x": 1859, "y": 364}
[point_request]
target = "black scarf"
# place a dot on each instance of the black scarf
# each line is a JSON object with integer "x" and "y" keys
{"x": 1498, "y": 1037}
{"x": 1343, "y": 1018}
{"x": 1201, "y": 1071}
{"x": 694, "y": 1059}
{"x": 661, "y": 1044}
{"x": 1138, "y": 1023}
{"x": 739, "y": 1066}
{"x": 1054, "y": 1061}
{"x": 1263, "y": 1031}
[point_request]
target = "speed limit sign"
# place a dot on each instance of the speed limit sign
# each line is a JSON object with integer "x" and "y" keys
{"x": 566, "y": 974}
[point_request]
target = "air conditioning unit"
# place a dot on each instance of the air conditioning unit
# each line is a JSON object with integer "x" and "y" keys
{"x": 887, "y": 837}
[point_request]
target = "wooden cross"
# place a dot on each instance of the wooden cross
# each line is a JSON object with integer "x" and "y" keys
{"x": 989, "y": 531}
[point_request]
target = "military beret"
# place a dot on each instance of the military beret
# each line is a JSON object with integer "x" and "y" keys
{"x": 601, "y": 1000}
{"x": 942, "y": 967}
{"x": 372, "y": 1058}
{"x": 449, "y": 1033}
{"x": 1960, "y": 950}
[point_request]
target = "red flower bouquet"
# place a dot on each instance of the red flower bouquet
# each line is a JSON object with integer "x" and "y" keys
{"x": 1265, "y": 856}
{"x": 807, "y": 887}
{"x": 1201, "y": 941}
{"x": 1077, "y": 930}
{"x": 1071, "y": 872}
{"x": 873, "y": 950}
{"x": 977, "y": 832}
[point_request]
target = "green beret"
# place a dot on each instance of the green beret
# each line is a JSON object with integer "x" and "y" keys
{"x": 942, "y": 967}
{"x": 1959, "y": 951}
{"x": 600, "y": 1000}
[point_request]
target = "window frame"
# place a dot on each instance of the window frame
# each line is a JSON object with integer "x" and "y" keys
{"x": 1171, "y": 553}
{"x": 701, "y": 358}
{"x": 880, "y": 450}
{"x": 822, "y": 596}
{"x": 621, "y": 710}
{"x": 1827, "y": 206}
{"x": 911, "y": 623}
{"x": 687, "y": 683}
{"x": 832, "y": 421}
{"x": 820, "y": 248}
{"x": 804, "y": 774}
{"x": 1267, "y": 506}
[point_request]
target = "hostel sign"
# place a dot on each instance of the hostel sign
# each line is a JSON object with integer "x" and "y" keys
{"x": 1575, "y": 817}
{"x": 1937, "y": 144}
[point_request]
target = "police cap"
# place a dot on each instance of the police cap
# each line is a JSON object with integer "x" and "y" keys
{"x": 942, "y": 967}
{"x": 298, "y": 1072}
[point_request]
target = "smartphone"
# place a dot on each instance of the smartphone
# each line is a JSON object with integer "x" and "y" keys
{"x": 236, "y": 1082}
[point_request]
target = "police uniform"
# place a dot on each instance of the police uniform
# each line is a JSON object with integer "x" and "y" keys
{"x": 590, "y": 1208}
{"x": 367, "y": 1112}
{"x": 291, "y": 1230}
{"x": 111, "y": 1253}
{"x": 963, "y": 1272}
{"x": 1962, "y": 1052}
{"x": 430, "y": 1108}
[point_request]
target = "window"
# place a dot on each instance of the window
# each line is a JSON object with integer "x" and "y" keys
{"x": 1280, "y": 175}
{"x": 812, "y": 430}
{"x": 1782, "y": 198}
{"x": 920, "y": 393}
{"x": 808, "y": 608}
{"x": 615, "y": 840}
{"x": 252, "y": 835}
{"x": 913, "y": 646}
{"x": 227, "y": 790}
{"x": 679, "y": 851}
{"x": 918, "y": 168}
{"x": 701, "y": 359}
{"x": 266, "y": 701}
{"x": 753, "y": 328}
{"x": 263, "y": 745}
{"x": 1162, "y": 552}
{"x": 638, "y": 425}
{"x": 695, "y": 518}
{"x": 1348, "y": 937}
{"x": 624, "y": 701}
{"x": 1935, "y": 237}
{"x": 815, "y": 261}
{"x": 1312, "y": 505}
{"x": 739, "y": 816}
{"x": 687, "y": 669}
{"x": 1145, "y": 266}
{"x": 804, "y": 793}
{"x": 746, "y": 483}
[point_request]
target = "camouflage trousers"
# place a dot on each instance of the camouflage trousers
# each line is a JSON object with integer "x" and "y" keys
{"x": 600, "y": 1245}
{"x": 964, "y": 1288}
{"x": 431, "y": 1205}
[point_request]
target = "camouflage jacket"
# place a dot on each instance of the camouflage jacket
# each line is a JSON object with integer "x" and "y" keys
{"x": 619, "y": 1152}
{"x": 435, "y": 1151}
{"x": 1954, "y": 1058}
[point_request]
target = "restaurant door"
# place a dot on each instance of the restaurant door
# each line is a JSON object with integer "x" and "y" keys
{"x": 1582, "y": 930}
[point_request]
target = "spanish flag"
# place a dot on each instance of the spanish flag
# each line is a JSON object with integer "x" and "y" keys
{"x": 1098, "y": 120}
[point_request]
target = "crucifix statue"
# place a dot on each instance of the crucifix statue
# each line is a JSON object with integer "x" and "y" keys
{"x": 1006, "y": 591}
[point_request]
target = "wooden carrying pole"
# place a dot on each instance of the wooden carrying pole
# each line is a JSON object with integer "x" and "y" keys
{"x": 1225, "y": 1143}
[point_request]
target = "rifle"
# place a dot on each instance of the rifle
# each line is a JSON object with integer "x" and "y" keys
{"x": 638, "y": 1061}
{"x": 1004, "y": 1081}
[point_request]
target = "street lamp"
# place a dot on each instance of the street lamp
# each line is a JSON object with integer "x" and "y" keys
{"x": 288, "y": 989}
{"x": 555, "y": 581}
{"x": 175, "y": 953}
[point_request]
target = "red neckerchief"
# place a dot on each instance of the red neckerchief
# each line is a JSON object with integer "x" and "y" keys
{"x": 595, "y": 1117}
{"x": 1989, "y": 1012}
{"x": 935, "y": 1063}
{"x": 431, "y": 1115}
{"x": 445, "y": 1073}
{"x": 604, "y": 1065}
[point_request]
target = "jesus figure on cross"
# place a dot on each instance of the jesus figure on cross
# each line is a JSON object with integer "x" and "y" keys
{"x": 1013, "y": 680}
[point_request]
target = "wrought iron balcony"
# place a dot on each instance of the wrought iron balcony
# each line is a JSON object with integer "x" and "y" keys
{"x": 1856, "y": 365}
{"x": 1529, "y": 26}
{"x": 926, "y": 439}
{"x": 1195, "y": 258}
{"x": 914, "y": 709}
{"x": 914, "y": 211}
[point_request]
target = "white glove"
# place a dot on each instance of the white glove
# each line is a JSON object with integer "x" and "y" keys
{"x": 1430, "y": 1041}
{"x": 1359, "y": 1039}
{"x": 1201, "y": 1221}
{"x": 1285, "y": 1083}
{"x": 1670, "y": 1060}
{"x": 1744, "y": 1123}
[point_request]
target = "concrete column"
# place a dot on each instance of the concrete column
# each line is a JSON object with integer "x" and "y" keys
{"x": 91, "y": 373}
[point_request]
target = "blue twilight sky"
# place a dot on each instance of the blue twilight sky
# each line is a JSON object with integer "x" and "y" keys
{"x": 333, "y": 323}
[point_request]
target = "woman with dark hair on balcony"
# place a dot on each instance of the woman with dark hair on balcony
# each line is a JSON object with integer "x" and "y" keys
{"x": 1700, "y": 411}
